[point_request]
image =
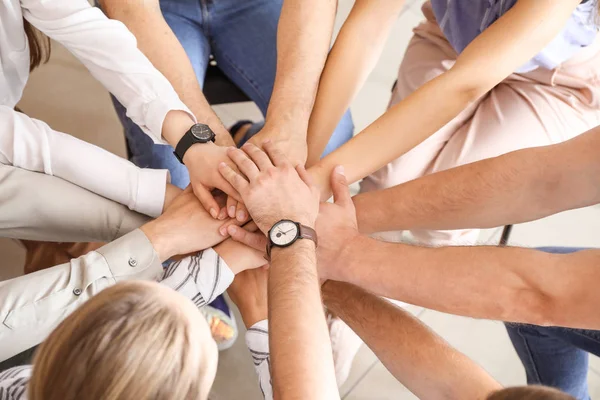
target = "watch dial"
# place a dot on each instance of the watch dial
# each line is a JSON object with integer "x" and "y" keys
{"x": 284, "y": 233}
{"x": 201, "y": 132}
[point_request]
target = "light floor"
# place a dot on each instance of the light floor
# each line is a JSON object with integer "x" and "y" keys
{"x": 64, "y": 95}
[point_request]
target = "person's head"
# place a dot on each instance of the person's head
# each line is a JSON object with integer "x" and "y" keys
{"x": 134, "y": 340}
{"x": 529, "y": 393}
{"x": 39, "y": 46}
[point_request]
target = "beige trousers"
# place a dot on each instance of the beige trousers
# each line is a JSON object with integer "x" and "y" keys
{"x": 538, "y": 108}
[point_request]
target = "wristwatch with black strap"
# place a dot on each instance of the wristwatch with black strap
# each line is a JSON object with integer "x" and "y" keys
{"x": 198, "y": 133}
{"x": 286, "y": 232}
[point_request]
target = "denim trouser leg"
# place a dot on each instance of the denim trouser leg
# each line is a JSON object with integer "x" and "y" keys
{"x": 555, "y": 356}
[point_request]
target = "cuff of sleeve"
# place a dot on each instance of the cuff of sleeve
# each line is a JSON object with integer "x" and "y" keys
{"x": 151, "y": 188}
{"x": 132, "y": 257}
{"x": 257, "y": 338}
{"x": 157, "y": 112}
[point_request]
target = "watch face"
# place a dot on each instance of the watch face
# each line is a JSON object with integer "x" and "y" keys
{"x": 284, "y": 233}
{"x": 202, "y": 132}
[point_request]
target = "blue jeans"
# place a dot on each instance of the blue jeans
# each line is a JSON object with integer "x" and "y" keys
{"x": 555, "y": 356}
{"x": 241, "y": 35}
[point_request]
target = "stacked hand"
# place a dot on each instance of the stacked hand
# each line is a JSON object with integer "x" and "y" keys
{"x": 271, "y": 187}
{"x": 202, "y": 161}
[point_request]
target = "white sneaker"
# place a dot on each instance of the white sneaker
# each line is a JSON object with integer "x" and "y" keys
{"x": 344, "y": 345}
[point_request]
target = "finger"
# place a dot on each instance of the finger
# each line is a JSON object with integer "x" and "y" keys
{"x": 241, "y": 213}
{"x": 339, "y": 187}
{"x": 305, "y": 176}
{"x": 260, "y": 158}
{"x": 277, "y": 156}
{"x": 208, "y": 201}
{"x": 254, "y": 240}
{"x": 231, "y": 206}
{"x": 222, "y": 214}
{"x": 223, "y": 228}
{"x": 243, "y": 162}
{"x": 236, "y": 181}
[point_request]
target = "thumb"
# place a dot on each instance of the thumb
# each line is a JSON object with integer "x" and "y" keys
{"x": 339, "y": 187}
{"x": 208, "y": 201}
{"x": 255, "y": 240}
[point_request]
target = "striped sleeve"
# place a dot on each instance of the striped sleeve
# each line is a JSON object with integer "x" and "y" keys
{"x": 13, "y": 383}
{"x": 257, "y": 340}
{"x": 201, "y": 277}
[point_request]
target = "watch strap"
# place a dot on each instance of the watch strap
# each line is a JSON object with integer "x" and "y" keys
{"x": 186, "y": 141}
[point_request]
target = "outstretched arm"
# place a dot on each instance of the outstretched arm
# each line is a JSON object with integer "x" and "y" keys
{"x": 532, "y": 24}
{"x": 303, "y": 39}
{"x": 351, "y": 60}
{"x": 506, "y": 284}
{"x": 517, "y": 187}
{"x": 421, "y": 360}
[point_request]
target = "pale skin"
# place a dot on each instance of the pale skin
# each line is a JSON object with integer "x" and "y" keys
{"x": 507, "y": 284}
{"x": 532, "y": 23}
{"x": 273, "y": 190}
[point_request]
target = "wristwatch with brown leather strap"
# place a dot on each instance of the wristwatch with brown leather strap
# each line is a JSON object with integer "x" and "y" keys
{"x": 286, "y": 232}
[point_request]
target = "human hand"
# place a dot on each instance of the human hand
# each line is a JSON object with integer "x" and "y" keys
{"x": 202, "y": 161}
{"x": 337, "y": 227}
{"x": 249, "y": 293}
{"x": 274, "y": 189}
{"x": 171, "y": 193}
{"x": 293, "y": 145}
{"x": 183, "y": 228}
{"x": 241, "y": 255}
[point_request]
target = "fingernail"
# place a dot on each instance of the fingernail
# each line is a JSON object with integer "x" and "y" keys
{"x": 213, "y": 213}
{"x": 232, "y": 212}
{"x": 222, "y": 214}
{"x": 267, "y": 141}
{"x": 241, "y": 216}
{"x": 232, "y": 229}
{"x": 222, "y": 164}
{"x": 340, "y": 170}
{"x": 223, "y": 231}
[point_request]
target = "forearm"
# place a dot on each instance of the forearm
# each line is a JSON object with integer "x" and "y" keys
{"x": 517, "y": 187}
{"x": 421, "y": 360}
{"x": 507, "y": 284}
{"x": 158, "y": 42}
{"x": 303, "y": 39}
{"x": 352, "y": 58}
{"x": 302, "y": 367}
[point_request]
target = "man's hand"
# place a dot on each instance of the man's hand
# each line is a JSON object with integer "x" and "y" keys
{"x": 272, "y": 189}
{"x": 183, "y": 228}
{"x": 336, "y": 225}
{"x": 293, "y": 145}
{"x": 202, "y": 161}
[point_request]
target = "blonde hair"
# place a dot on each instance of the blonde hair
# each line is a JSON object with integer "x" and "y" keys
{"x": 134, "y": 340}
{"x": 529, "y": 393}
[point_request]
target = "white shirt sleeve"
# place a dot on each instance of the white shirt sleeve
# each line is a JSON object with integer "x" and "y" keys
{"x": 257, "y": 340}
{"x": 32, "y": 145}
{"x": 201, "y": 277}
{"x": 110, "y": 53}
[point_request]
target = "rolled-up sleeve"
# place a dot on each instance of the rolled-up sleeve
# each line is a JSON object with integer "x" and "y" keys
{"x": 109, "y": 51}
{"x": 31, "y": 144}
{"x": 31, "y": 306}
